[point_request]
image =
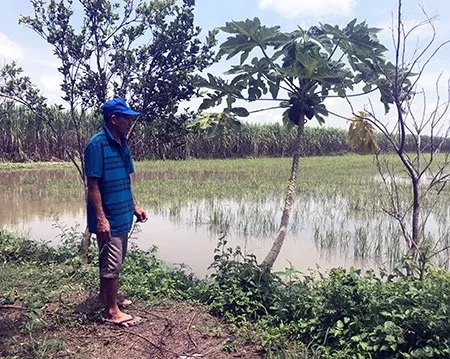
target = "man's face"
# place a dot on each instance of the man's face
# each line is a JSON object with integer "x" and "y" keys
{"x": 122, "y": 123}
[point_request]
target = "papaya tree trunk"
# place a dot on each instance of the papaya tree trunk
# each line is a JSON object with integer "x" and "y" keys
{"x": 289, "y": 199}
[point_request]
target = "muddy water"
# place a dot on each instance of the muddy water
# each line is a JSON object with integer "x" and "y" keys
{"x": 177, "y": 242}
{"x": 36, "y": 204}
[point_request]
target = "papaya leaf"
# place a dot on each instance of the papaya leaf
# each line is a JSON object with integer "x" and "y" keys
{"x": 240, "y": 111}
{"x": 361, "y": 135}
{"x": 274, "y": 88}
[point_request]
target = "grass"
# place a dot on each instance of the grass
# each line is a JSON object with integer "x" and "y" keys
{"x": 34, "y": 298}
{"x": 47, "y": 309}
{"x": 339, "y": 199}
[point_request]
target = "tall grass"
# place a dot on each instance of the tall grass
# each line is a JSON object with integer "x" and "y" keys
{"x": 25, "y": 137}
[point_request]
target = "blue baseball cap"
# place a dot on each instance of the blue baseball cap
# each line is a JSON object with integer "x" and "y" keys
{"x": 118, "y": 105}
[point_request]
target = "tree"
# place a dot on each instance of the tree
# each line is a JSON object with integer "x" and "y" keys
{"x": 300, "y": 70}
{"x": 145, "y": 51}
{"x": 108, "y": 55}
{"x": 415, "y": 117}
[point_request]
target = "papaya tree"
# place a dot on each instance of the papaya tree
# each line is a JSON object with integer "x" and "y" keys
{"x": 297, "y": 70}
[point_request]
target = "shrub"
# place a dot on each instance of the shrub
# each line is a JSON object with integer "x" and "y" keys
{"x": 344, "y": 314}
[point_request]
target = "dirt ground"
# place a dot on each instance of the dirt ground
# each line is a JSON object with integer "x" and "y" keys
{"x": 170, "y": 330}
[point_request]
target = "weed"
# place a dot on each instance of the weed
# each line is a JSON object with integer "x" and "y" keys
{"x": 343, "y": 314}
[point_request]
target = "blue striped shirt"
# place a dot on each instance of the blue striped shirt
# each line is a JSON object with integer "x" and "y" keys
{"x": 111, "y": 163}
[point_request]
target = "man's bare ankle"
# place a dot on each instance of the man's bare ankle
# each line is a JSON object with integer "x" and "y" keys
{"x": 114, "y": 312}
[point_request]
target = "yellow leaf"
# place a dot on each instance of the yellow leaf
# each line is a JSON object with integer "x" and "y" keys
{"x": 360, "y": 134}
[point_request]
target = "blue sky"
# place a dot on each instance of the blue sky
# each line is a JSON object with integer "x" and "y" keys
{"x": 19, "y": 43}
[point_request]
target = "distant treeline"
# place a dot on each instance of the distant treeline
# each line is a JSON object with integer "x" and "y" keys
{"x": 24, "y": 137}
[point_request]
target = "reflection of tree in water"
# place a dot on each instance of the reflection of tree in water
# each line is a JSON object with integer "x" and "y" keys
{"x": 39, "y": 195}
{"x": 330, "y": 225}
{"x": 18, "y": 209}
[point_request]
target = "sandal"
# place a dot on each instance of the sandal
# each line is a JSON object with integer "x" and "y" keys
{"x": 126, "y": 323}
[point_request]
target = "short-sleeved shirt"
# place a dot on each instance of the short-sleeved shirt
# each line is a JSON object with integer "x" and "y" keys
{"x": 111, "y": 163}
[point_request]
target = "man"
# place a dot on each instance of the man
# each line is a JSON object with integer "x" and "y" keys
{"x": 110, "y": 204}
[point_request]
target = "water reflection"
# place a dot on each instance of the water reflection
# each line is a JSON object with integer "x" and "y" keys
{"x": 326, "y": 230}
{"x": 180, "y": 242}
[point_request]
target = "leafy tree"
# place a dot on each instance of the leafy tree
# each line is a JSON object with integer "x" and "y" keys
{"x": 145, "y": 51}
{"x": 299, "y": 70}
{"x": 415, "y": 117}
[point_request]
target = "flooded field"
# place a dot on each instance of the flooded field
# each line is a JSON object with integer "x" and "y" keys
{"x": 337, "y": 218}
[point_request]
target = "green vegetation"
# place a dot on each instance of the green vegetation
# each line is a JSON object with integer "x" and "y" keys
{"x": 342, "y": 314}
{"x": 24, "y": 137}
{"x": 100, "y": 53}
{"x": 300, "y": 69}
{"x": 339, "y": 199}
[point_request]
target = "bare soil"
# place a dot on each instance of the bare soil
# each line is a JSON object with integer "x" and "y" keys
{"x": 73, "y": 327}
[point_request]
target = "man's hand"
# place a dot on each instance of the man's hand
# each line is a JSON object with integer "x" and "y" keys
{"x": 140, "y": 214}
{"x": 103, "y": 230}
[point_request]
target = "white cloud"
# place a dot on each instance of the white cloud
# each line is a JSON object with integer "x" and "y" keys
{"x": 294, "y": 8}
{"x": 8, "y": 49}
{"x": 419, "y": 32}
{"x": 50, "y": 84}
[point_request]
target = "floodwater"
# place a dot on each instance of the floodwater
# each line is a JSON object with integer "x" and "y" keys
{"x": 177, "y": 243}
{"x": 28, "y": 209}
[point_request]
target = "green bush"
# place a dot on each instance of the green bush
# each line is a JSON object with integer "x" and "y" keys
{"x": 344, "y": 314}
{"x": 16, "y": 248}
{"x": 350, "y": 312}
{"x": 145, "y": 276}
{"x": 239, "y": 289}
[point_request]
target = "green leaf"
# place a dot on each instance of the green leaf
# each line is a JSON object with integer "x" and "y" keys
{"x": 320, "y": 119}
{"x": 274, "y": 88}
{"x": 240, "y": 111}
{"x": 244, "y": 55}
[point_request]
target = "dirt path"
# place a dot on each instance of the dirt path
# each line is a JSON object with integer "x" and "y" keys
{"x": 172, "y": 330}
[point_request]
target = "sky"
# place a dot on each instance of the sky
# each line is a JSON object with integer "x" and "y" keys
{"x": 19, "y": 43}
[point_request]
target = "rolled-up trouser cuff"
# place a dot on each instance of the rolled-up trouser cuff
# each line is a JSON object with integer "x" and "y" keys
{"x": 111, "y": 255}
